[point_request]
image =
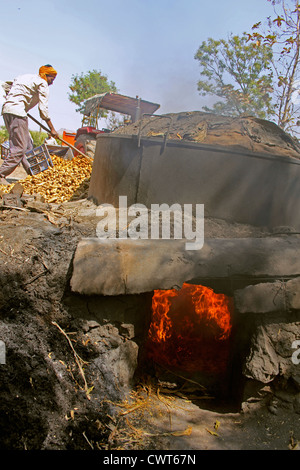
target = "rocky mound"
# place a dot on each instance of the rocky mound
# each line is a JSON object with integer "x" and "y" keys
{"x": 247, "y": 132}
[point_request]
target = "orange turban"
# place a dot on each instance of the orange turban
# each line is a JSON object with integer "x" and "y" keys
{"x": 46, "y": 70}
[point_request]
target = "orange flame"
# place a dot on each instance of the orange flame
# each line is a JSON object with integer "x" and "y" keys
{"x": 190, "y": 328}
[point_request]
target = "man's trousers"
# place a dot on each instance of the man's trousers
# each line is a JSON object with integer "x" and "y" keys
{"x": 19, "y": 142}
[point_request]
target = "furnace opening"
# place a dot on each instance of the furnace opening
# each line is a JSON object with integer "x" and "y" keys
{"x": 190, "y": 335}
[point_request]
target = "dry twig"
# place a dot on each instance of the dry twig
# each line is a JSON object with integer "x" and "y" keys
{"x": 78, "y": 360}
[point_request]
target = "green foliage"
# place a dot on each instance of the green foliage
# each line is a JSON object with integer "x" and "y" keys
{"x": 238, "y": 73}
{"x": 282, "y": 34}
{"x": 38, "y": 138}
{"x": 3, "y": 134}
{"x": 84, "y": 86}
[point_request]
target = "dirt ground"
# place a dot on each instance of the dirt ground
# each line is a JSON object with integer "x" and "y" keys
{"x": 51, "y": 394}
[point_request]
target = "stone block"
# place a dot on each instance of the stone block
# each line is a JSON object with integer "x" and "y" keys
{"x": 261, "y": 298}
{"x": 127, "y": 266}
{"x": 293, "y": 293}
{"x": 262, "y": 363}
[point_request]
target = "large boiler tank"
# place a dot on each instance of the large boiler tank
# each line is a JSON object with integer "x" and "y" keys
{"x": 234, "y": 183}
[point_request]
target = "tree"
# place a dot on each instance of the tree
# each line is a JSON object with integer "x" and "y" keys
{"x": 282, "y": 33}
{"x": 239, "y": 73}
{"x": 84, "y": 86}
{"x": 3, "y": 134}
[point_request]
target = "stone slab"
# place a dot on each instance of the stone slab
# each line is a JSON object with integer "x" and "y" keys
{"x": 261, "y": 298}
{"x": 126, "y": 266}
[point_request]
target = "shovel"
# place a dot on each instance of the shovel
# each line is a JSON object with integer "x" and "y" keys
{"x": 62, "y": 140}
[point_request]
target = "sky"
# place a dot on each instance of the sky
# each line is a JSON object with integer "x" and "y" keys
{"x": 147, "y": 47}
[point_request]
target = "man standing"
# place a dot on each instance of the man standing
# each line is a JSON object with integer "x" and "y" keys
{"x": 26, "y": 92}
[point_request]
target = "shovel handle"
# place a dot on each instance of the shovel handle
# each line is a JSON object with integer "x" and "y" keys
{"x": 59, "y": 138}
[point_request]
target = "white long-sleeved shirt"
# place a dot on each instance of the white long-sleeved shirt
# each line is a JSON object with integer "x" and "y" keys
{"x": 26, "y": 92}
